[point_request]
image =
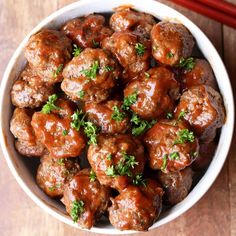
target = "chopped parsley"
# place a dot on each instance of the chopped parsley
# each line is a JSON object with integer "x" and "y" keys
{"x": 92, "y": 176}
{"x": 53, "y": 188}
{"x": 181, "y": 115}
{"x": 169, "y": 115}
{"x": 57, "y": 71}
{"x": 140, "y": 49}
{"x": 76, "y": 50}
{"x": 50, "y": 105}
{"x": 188, "y": 63}
{"x": 92, "y": 71}
{"x": 76, "y": 210}
{"x": 155, "y": 48}
{"x": 117, "y": 114}
{"x": 184, "y": 136}
{"x": 170, "y": 55}
{"x": 95, "y": 43}
{"x": 164, "y": 162}
{"x": 138, "y": 180}
{"x": 65, "y": 132}
{"x": 108, "y": 68}
{"x": 81, "y": 94}
{"x": 109, "y": 157}
{"x": 174, "y": 156}
{"x": 61, "y": 161}
{"x": 111, "y": 171}
{"x": 77, "y": 120}
{"x": 129, "y": 100}
{"x": 147, "y": 75}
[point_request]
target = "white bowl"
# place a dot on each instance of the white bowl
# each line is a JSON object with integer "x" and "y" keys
{"x": 23, "y": 172}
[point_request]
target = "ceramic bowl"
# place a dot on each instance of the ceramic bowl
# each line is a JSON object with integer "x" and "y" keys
{"x": 24, "y": 169}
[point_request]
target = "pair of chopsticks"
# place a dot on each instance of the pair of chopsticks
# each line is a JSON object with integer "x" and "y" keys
{"x": 218, "y": 10}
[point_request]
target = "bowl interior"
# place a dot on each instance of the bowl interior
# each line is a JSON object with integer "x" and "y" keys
{"x": 24, "y": 169}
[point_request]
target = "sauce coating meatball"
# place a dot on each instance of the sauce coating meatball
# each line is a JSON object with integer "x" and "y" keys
{"x": 201, "y": 74}
{"x": 55, "y": 132}
{"x": 47, "y": 53}
{"x": 176, "y": 184}
{"x": 54, "y": 173}
{"x": 29, "y": 90}
{"x": 87, "y": 31}
{"x": 171, "y": 145}
{"x": 171, "y": 42}
{"x": 136, "y": 208}
{"x": 85, "y": 199}
{"x": 129, "y": 20}
{"x": 204, "y": 110}
{"x": 132, "y": 52}
{"x": 20, "y": 126}
{"x": 156, "y": 91}
{"x": 90, "y": 76}
{"x": 108, "y": 116}
{"x": 116, "y": 159}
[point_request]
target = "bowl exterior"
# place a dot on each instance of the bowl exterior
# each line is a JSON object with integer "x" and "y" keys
{"x": 84, "y": 7}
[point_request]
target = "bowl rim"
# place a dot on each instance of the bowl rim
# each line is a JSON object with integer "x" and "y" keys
{"x": 207, "y": 179}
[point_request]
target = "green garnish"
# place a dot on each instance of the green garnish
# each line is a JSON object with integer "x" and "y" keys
{"x": 147, "y": 75}
{"x": 92, "y": 71}
{"x": 76, "y": 50}
{"x": 164, "y": 162}
{"x": 140, "y": 49}
{"x": 188, "y": 63}
{"x": 61, "y": 161}
{"x": 81, "y": 94}
{"x": 108, "y": 68}
{"x": 169, "y": 55}
{"x": 155, "y": 48}
{"x": 50, "y": 106}
{"x": 169, "y": 115}
{"x": 92, "y": 176}
{"x": 184, "y": 136}
{"x": 91, "y": 132}
{"x": 109, "y": 157}
{"x": 53, "y": 188}
{"x": 194, "y": 154}
{"x": 58, "y": 70}
{"x": 174, "y": 156}
{"x": 181, "y": 115}
{"x": 95, "y": 44}
{"x": 117, "y": 114}
{"x": 76, "y": 210}
{"x": 65, "y": 132}
{"x": 138, "y": 180}
{"x": 129, "y": 100}
{"x": 111, "y": 171}
{"x": 77, "y": 120}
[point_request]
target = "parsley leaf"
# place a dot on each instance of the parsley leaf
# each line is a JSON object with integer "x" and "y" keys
{"x": 140, "y": 49}
{"x": 169, "y": 115}
{"x": 117, "y": 114}
{"x": 109, "y": 157}
{"x": 129, "y": 100}
{"x": 164, "y": 162}
{"x": 92, "y": 71}
{"x": 188, "y": 63}
{"x": 65, "y": 132}
{"x": 174, "y": 156}
{"x": 76, "y": 50}
{"x": 170, "y": 55}
{"x": 95, "y": 44}
{"x": 92, "y": 176}
{"x": 50, "y": 106}
{"x": 58, "y": 70}
{"x": 53, "y": 188}
{"x": 77, "y": 120}
{"x": 138, "y": 180}
{"x": 61, "y": 161}
{"x": 108, "y": 68}
{"x": 111, "y": 171}
{"x": 91, "y": 132}
{"x": 76, "y": 210}
{"x": 181, "y": 115}
{"x": 147, "y": 75}
{"x": 81, "y": 94}
{"x": 184, "y": 136}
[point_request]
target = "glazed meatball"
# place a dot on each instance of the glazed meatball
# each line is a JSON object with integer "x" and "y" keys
{"x": 156, "y": 91}
{"x": 54, "y": 173}
{"x": 29, "y": 90}
{"x": 116, "y": 159}
{"x": 108, "y": 116}
{"x": 26, "y": 143}
{"x": 90, "y": 76}
{"x": 176, "y": 184}
{"x": 201, "y": 74}
{"x": 55, "y": 132}
{"x": 171, "y": 145}
{"x": 171, "y": 42}
{"x": 132, "y": 52}
{"x": 87, "y": 31}
{"x": 204, "y": 110}
{"x": 129, "y": 20}
{"x": 47, "y": 53}
{"x": 136, "y": 208}
{"x": 85, "y": 199}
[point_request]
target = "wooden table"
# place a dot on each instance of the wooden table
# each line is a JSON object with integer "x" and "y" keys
{"x": 214, "y": 214}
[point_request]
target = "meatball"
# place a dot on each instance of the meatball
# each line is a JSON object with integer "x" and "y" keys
{"x": 171, "y": 42}
{"x": 29, "y": 90}
{"x": 171, "y": 145}
{"x": 176, "y": 184}
{"x": 54, "y": 173}
{"x": 201, "y": 74}
{"x": 87, "y": 31}
{"x": 204, "y": 110}
{"x": 90, "y": 76}
{"x": 55, "y": 132}
{"x": 47, "y": 53}
{"x": 129, "y": 20}
{"x": 109, "y": 116}
{"x": 136, "y": 208}
{"x": 132, "y": 52}
{"x": 116, "y": 159}
{"x": 26, "y": 143}
{"x": 156, "y": 91}
{"x": 85, "y": 199}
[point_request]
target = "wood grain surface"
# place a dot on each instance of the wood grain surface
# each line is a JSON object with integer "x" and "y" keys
{"x": 213, "y": 215}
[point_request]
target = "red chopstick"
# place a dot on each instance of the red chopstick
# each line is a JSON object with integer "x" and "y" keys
{"x": 222, "y": 6}
{"x": 207, "y": 11}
